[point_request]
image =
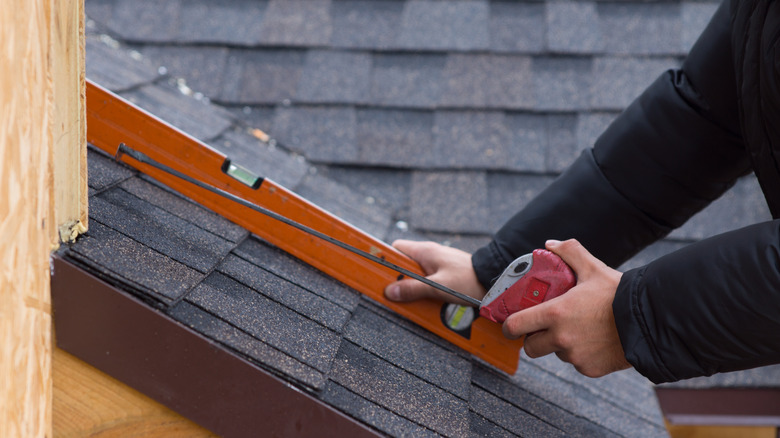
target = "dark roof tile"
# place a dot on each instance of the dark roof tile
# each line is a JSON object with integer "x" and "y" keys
{"x": 510, "y": 416}
{"x": 335, "y": 77}
{"x": 104, "y": 171}
{"x": 257, "y": 351}
{"x": 114, "y": 69}
{"x": 262, "y": 76}
{"x": 285, "y": 266}
{"x": 267, "y": 320}
{"x": 573, "y": 27}
{"x": 742, "y": 205}
{"x": 197, "y": 118}
{"x": 260, "y": 158}
{"x": 449, "y": 201}
{"x": 694, "y": 18}
{"x": 562, "y": 146}
{"x": 232, "y": 22}
{"x": 256, "y": 116}
{"x": 372, "y": 413}
{"x": 408, "y": 80}
{"x": 146, "y": 20}
{"x": 297, "y": 22}
{"x": 480, "y": 426}
{"x": 124, "y": 259}
{"x": 517, "y": 26}
{"x": 487, "y": 81}
{"x": 320, "y": 133}
{"x": 406, "y": 350}
{"x": 540, "y": 377}
{"x": 473, "y": 139}
{"x": 640, "y": 28}
{"x": 389, "y": 187}
{"x": 409, "y": 326}
{"x": 283, "y": 291}
{"x": 562, "y": 83}
{"x": 639, "y": 400}
{"x": 399, "y": 391}
{"x": 159, "y": 229}
{"x": 529, "y": 143}
{"x": 438, "y": 25}
{"x": 162, "y": 197}
{"x": 618, "y": 81}
{"x": 357, "y": 209}
{"x": 203, "y": 67}
{"x": 500, "y": 386}
{"x": 508, "y": 193}
{"x": 365, "y": 24}
{"x": 394, "y": 137}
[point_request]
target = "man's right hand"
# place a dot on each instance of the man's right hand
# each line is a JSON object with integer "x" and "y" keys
{"x": 442, "y": 264}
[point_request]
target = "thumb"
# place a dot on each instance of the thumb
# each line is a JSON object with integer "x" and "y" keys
{"x": 407, "y": 290}
{"x": 574, "y": 254}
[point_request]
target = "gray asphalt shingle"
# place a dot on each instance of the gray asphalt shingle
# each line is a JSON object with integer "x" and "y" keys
{"x": 198, "y": 119}
{"x": 335, "y": 77}
{"x": 297, "y": 22}
{"x": 459, "y": 25}
{"x": 572, "y": 27}
{"x": 399, "y": 391}
{"x": 408, "y": 80}
{"x": 203, "y": 67}
{"x": 362, "y": 24}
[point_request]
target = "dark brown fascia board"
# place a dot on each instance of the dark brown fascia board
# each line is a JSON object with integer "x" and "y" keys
{"x": 720, "y": 406}
{"x": 180, "y": 368}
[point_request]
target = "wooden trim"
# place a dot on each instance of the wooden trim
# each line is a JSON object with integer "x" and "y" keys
{"x": 69, "y": 129}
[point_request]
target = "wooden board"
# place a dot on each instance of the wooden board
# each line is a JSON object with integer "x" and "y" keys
{"x": 89, "y": 403}
{"x": 68, "y": 125}
{"x": 42, "y": 101}
{"x": 25, "y": 228}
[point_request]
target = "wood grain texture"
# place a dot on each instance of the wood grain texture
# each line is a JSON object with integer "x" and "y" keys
{"x": 90, "y": 403}
{"x": 69, "y": 151}
{"x": 25, "y": 227}
{"x": 42, "y": 97}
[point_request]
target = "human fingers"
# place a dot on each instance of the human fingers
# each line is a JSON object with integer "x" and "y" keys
{"x": 575, "y": 255}
{"x": 409, "y": 290}
{"x": 424, "y": 253}
{"x": 527, "y": 321}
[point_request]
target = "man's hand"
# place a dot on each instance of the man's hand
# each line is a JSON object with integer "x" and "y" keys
{"x": 579, "y": 326}
{"x": 442, "y": 264}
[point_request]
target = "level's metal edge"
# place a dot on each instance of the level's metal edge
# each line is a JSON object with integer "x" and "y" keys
{"x": 180, "y": 368}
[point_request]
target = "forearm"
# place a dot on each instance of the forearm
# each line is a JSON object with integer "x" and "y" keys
{"x": 710, "y": 307}
{"x": 580, "y": 204}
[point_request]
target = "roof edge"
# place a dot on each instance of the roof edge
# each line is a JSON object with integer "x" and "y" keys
{"x": 179, "y": 368}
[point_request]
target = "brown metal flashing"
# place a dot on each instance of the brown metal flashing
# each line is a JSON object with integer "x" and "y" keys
{"x": 180, "y": 368}
{"x": 721, "y": 406}
{"x": 112, "y": 120}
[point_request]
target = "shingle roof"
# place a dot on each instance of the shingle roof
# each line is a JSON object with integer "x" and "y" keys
{"x": 388, "y": 113}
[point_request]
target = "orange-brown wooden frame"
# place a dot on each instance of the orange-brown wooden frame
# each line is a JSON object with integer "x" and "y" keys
{"x": 112, "y": 120}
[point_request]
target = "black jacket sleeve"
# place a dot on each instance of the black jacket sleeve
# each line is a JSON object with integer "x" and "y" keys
{"x": 672, "y": 152}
